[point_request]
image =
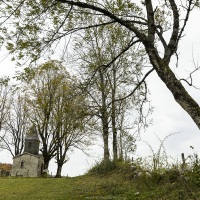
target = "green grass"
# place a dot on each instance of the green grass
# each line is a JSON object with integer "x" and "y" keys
{"x": 78, "y": 188}
{"x": 117, "y": 184}
{"x": 83, "y": 187}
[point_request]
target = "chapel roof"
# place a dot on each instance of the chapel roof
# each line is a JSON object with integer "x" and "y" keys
{"x": 32, "y": 133}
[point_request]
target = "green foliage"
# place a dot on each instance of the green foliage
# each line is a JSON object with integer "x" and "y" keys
{"x": 37, "y": 27}
{"x": 5, "y": 169}
{"x": 103, "y": 167}
{"x": 193, "y": 173}
{"x": 56, "y": 107}
{"x": 173, "y": 175}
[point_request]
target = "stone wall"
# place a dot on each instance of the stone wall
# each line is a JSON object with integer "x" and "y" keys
{"x": 27, "y": 165}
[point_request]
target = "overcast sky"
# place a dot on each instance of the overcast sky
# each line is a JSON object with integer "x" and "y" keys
{"x": 168, "y": 117}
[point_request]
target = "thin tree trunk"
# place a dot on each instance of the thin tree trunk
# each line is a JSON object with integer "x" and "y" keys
{"x": 113, "y": 115}
{"x": 115, "y": 149}
{"x": 121, "y": 156}
{"x": 121, "y": 146}
{"x": 114, "y": 130}
{"x": 104, "y": 117}
{"x": 106, "y": 148}
{"x": 105, "y": 139}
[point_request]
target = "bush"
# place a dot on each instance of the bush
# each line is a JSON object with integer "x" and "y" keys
{"x": 193, "y": 172}
{"x": 103, "y": 166}
{"x": 172, "y": 175}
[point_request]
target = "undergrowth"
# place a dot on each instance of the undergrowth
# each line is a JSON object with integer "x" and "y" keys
{"x": 121, "y": 180}
{"x": 152, "y": 178}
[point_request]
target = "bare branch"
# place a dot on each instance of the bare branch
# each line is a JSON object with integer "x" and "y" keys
{"x": 121, "y": 21}
{"x": 190, "y": 83}
{"x": 138, "y": 85}
{"x": 77, "y": 29}
{"x": 131, "y": 43}
{"x": 17, "y": 8}
{"x": 189, "y": 8}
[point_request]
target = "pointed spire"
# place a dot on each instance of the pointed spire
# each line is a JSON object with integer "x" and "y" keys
{"x": 32, "y": 133}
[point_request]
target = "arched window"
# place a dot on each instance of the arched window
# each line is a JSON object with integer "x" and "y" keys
{"x": 22, "y": 164}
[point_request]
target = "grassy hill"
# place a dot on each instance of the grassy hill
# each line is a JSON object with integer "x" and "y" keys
{"x": 119, "y": 184}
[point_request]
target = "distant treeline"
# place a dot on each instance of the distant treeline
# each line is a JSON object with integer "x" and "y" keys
{"x": 5, "y": 169}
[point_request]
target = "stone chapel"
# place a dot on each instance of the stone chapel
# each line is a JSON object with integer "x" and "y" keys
{"x": 30, "y": 163}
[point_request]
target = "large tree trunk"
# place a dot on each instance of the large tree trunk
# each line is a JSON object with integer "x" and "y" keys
{"x": 160, "y": 65}
{"x": 46, "y": 163}
{"x": 174, "y": 85}
{"x": 59, "y": 170}
{"x": 60, "y": 157}
{"x": 47, "y": 159}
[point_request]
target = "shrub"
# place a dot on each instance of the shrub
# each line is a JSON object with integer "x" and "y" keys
{"x": 193, "y": 174}
{"x": 172, "y": 175}
{"x": 103, "y": 166}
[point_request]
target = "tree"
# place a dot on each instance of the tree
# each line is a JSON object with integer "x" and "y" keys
{"x": 152, "y": 22}
{"x": 147, "y": 20}
{"x": 16, "y": 125}
{"x": 69, "y": 119}
{"x": 5, "y": 90}
{"x": 108, "y": 77}
{"x": 5, "y": 95}
{"x": 5, "y": 169}
{"x": 53, "y": 108}
{"x": 41, "y": 86}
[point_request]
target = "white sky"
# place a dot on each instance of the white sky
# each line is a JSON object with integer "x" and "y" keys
{"x": 168, "y": 116}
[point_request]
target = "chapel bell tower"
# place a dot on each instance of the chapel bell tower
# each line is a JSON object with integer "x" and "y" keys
{"x": 32, "y": 142}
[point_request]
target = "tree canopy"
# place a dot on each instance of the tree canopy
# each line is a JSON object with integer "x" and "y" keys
{"x": 41, "y": 25}
{"x": 152, "y": 29}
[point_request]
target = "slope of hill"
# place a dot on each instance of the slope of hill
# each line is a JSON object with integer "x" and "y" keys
{"x": 120, "y": 184}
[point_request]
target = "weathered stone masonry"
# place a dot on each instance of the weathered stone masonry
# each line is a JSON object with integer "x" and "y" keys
{"x": 30, "y": 163}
